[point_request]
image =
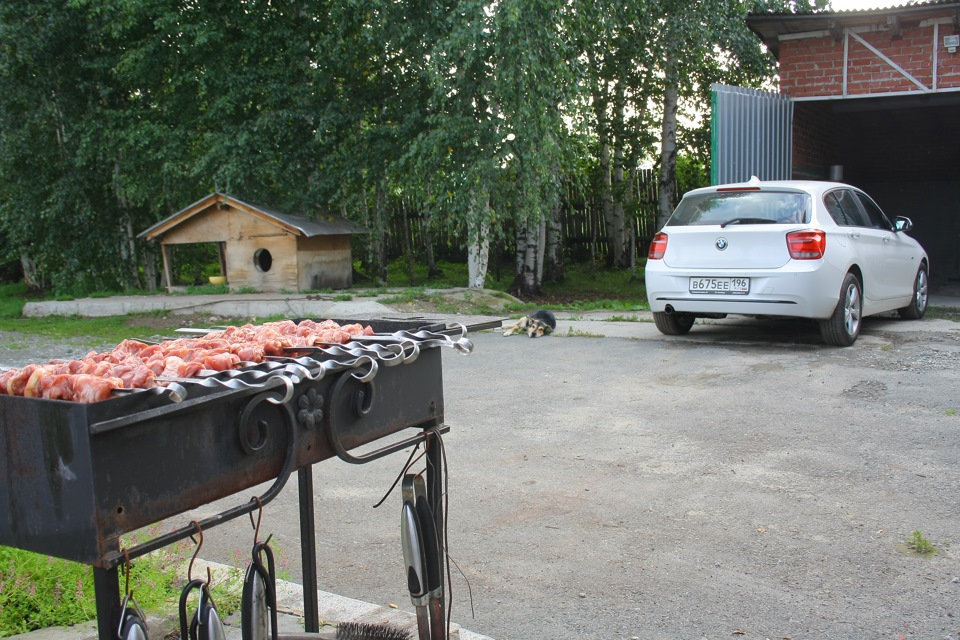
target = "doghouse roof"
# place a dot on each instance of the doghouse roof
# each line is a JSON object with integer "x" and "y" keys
{"x": 326, "y": 225}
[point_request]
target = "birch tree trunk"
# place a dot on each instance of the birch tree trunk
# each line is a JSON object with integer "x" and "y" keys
{"x": 530, "y": 241}
{"x": 30, "y": 276}
{"x": 528, "y": 271}
{"x": 629, "y": 199}
{"x": 128, "y": 251}
{"x": 620, "y": 235}
{"x": 553, "y": 246}
{"x": 407, "y": 240}
{"x": 432, "y": 269}
{"x": 540, "y": 252}
{"x": 478, "y": 249}
{"x": 520, "y": 249}
{"x": 606, "y": 204}
{"x": 478, "y": 254}
{"x": 668, "y": 156}
{"x": 128, "y": 241}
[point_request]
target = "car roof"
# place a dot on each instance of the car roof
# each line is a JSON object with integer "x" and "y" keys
{"x": 813, "y": 187}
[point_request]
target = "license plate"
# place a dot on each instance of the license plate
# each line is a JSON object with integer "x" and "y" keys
{"x": 733, "y": 286}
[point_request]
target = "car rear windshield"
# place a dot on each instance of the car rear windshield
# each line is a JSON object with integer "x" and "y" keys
{"x": 742, "y": 207}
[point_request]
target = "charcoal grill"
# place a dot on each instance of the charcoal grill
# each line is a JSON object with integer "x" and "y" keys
{"x": 76, "y": 477}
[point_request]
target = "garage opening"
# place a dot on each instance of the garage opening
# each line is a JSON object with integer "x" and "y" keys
{"x": 901, "y": 150}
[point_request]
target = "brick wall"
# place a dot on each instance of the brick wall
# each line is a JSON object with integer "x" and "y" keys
{"x": 813, "y": 138}
{"x": 813, "y": 67}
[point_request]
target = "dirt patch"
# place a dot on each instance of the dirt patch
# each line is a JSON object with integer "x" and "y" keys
{"x": 458, "y": 301}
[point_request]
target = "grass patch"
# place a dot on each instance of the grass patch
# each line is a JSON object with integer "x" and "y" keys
{"x": 611, "y": 288}
{"x": 12, "y": 299}
{"x": 38, "y": 591}
{"x": 576, "y": 333}
{"x": 210, "y": 289}
{"x": 41, "y": 591}
{"x": 583, "y": 289}
{"x": 412, "y": 294}
{"x": 449, "y": 275}
{"x": 943, "y": 313}
{"x": 921, "y": 545}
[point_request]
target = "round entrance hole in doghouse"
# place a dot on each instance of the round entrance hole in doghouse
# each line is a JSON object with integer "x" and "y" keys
{"x": 263, "y": 260}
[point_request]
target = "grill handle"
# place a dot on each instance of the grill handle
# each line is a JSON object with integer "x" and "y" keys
{"x": 344, "y": 455}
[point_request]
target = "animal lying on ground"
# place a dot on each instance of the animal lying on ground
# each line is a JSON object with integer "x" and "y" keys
{"x": 539, "y": 323}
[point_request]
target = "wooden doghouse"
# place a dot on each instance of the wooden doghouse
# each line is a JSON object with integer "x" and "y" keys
{"x": 262, "y": 249}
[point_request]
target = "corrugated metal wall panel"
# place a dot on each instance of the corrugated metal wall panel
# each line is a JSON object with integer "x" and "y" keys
{"x": 752, "y": 135}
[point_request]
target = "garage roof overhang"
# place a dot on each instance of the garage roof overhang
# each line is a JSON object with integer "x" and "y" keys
{"x": 774, "y": 28}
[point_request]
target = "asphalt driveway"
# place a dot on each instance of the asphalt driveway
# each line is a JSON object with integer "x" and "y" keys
{"x": 610, "y": 482}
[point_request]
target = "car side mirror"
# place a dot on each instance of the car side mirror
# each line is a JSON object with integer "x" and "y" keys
{"x": 903, "y": 223}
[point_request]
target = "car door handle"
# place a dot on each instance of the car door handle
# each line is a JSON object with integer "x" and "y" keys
{"x": 854, "y": 234}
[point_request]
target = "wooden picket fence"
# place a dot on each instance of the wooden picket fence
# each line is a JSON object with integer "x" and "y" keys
{"x": 581, "y": 221}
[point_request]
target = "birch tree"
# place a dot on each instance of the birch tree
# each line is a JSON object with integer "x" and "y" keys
{"x": 700, "y": 43}
{"x": 615, "y": 38}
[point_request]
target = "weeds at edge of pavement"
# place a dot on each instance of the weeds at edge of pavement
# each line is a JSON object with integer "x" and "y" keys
{"x": 576, "y": 333}
{"x": 921, "y": 545}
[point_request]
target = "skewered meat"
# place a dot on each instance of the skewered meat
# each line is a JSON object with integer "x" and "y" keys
{"x": 87, "y": 388}
{"x": 133, "y": 364}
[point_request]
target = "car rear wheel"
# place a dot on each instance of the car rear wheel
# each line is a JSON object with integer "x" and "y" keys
{"x": 843, "y": 327}
{"x": 917, "y": 306}
{"x": 673, "y": 324}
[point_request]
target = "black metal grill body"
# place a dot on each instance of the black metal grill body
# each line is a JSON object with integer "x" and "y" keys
{"x": 75, "y": 477}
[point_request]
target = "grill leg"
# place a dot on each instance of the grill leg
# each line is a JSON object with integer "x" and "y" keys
{"x": 435, "y": 498}
{"x": 308, "y": 551}
{"x": 106, "y": 588}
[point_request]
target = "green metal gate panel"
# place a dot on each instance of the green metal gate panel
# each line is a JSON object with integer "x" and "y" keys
{"x": 752, "y": 135}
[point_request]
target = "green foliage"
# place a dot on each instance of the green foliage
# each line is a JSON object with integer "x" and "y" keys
{"x": 921, "y": 545}
{"x": 595, "y": 283}
{"x": 12, "y": 300}
{"x": 475, "y": 116}
{"x": 81, "y": 331}
{"x": 943, "y": 313}
{"x": 38, "y": 591}
{"x": 448, "y": 275}
{"x": 208, "y": 289}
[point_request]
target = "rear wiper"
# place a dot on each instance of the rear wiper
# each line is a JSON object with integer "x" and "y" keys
{"x": 747, "y": 221}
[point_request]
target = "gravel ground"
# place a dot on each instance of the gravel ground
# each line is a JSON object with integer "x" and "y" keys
{"x": 608, "y": 482}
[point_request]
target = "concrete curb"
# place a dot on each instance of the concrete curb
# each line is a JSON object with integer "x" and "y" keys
{"x": 333, "y": 610}
{"x": 241, "y": 305}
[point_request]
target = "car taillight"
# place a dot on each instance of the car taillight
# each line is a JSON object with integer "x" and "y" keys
{"x": 658, "y": 247}
{"x": 807, "y": 245}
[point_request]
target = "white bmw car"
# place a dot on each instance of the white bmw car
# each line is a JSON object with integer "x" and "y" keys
{"x": 804, "y": 249}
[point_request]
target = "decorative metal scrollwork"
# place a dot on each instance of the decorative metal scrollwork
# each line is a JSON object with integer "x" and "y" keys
{"x": 310, "y": 409}
{"x": 253, "y": 428}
